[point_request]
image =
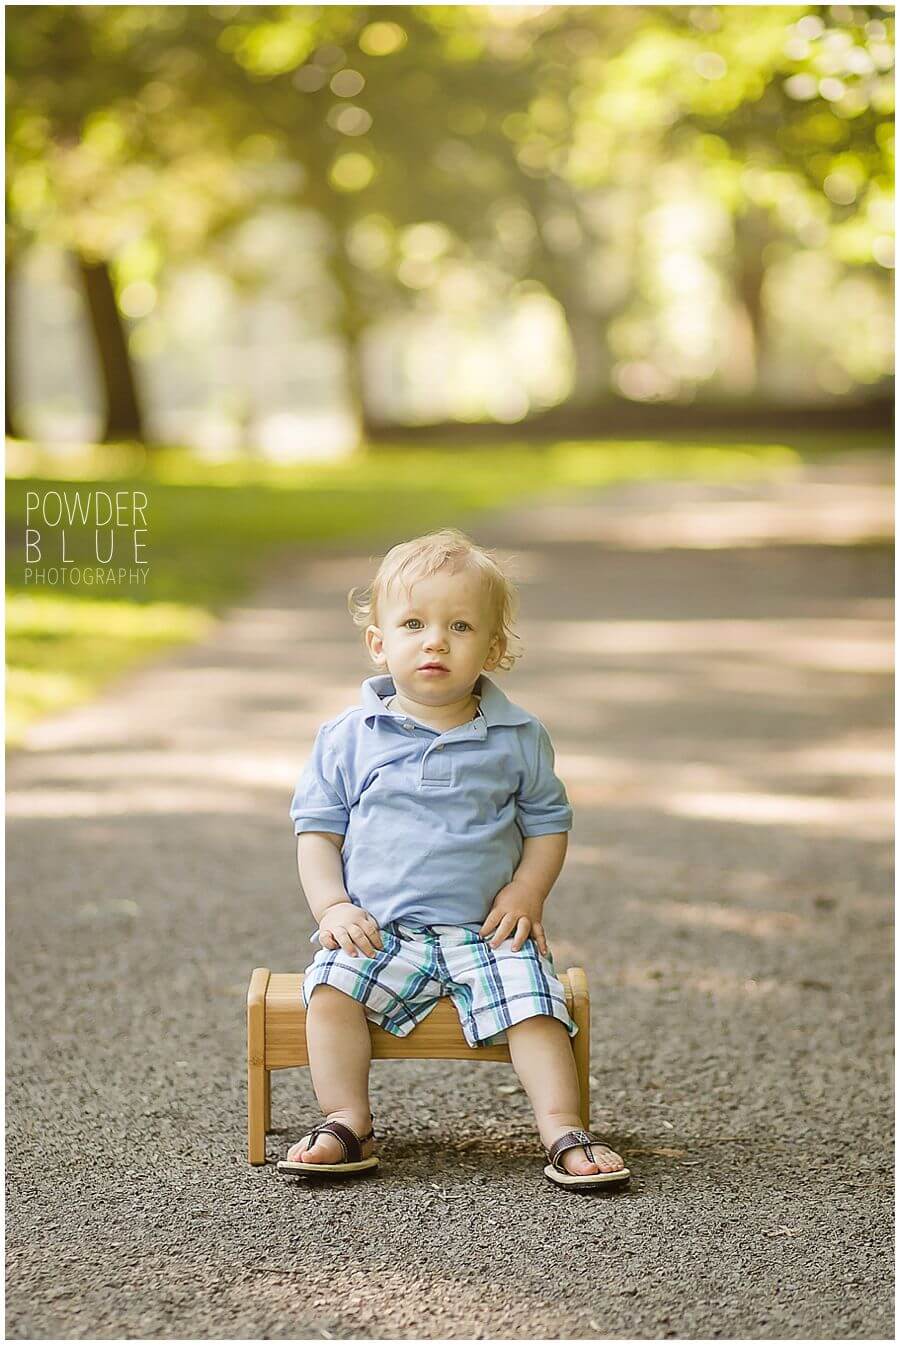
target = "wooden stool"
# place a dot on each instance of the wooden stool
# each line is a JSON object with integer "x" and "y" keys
{"x": 276, "y": 1039}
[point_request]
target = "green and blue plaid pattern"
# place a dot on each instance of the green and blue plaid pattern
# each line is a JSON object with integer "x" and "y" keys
{"x": 491, "y": 988}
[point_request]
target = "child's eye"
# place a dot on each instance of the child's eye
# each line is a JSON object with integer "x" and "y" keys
{"x": 412, "y": 622}
{"x": 464, "y": 625}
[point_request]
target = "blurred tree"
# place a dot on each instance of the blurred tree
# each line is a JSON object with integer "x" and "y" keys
{"x": 809, "y": 140}
{"x": 52, "y": 96}
{"x": 132, "y": 142}
{"x": 784, "y": 113}
{"x": 9, "y": 406}
{"x": 446, "y": 145}
{"x": 409, "y": 122}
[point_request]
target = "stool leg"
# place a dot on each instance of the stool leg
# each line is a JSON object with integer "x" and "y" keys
{"x": 256, "y": 1066}
{"x": 581, "y": 1043}
{"x": 267, "y": 1095}
{"x": 256, "y": 1115}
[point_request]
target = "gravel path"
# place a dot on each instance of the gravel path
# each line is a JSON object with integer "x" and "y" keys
{"x": 714, "y": 663}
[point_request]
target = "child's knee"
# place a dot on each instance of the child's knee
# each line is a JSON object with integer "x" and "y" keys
{"x": 331, "y": 1002}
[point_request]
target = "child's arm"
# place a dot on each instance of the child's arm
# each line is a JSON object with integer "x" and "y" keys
{"x": 544, "y": 817}
{"x": 321, "y": 871}
{"x": 518, "y": 907}
{"x": 320, "y": 811}
{"x": 341, "y": 923}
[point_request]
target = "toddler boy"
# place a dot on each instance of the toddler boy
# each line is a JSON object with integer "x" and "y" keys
{"x": 431, "y": 827}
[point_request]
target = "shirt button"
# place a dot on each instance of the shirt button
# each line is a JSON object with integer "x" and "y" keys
{"x": 439, "y": 748}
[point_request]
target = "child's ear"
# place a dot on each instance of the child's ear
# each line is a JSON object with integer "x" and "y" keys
{"x": 375, "y": 645}
{"x": 495, "y": 652}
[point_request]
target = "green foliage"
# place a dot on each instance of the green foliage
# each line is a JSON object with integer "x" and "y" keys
{"x": 60, "y": 651}
{"x": 536, "y": 139}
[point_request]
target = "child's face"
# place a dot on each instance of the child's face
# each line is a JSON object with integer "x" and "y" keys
{"x": 444, "y": 619}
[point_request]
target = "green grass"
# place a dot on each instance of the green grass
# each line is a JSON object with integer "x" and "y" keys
{"x": 213, "y": 529}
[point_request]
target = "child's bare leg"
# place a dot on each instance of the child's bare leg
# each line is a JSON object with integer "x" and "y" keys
{"x": 543, "y": 1060}
{"x": 340, "y": 1052}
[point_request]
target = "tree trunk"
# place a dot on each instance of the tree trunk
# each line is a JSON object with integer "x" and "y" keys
{"x": 590, "y": 382}
{"x": 123, "y": 410}
{"x": 356, "y": 383}
{"x": 351, "y": 322}
{"x": 9, "y": 402}
{"x": 751, "y": 234}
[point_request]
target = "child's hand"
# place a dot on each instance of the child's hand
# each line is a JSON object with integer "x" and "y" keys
{"x": 351, "y": 928}
{"x": 515, "y": 908}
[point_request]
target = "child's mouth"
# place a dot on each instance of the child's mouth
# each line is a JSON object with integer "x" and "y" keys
{"x": 433, "y": 668}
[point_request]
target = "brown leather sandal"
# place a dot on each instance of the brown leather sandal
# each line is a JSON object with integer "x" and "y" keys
{"x": 578, "y": 1181}
{"x": 350, "y": 1142}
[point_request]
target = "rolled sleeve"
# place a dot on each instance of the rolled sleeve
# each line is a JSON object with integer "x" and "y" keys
{"x": 542, "y": 805}
{"x": 319, "y": 802}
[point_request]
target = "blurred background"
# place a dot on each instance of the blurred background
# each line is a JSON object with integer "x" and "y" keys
{"x": 405, "y": 260}
{"x": 277, "y": 228}
{"x": 609, "y": 287}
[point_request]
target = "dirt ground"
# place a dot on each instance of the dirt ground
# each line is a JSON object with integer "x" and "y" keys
{"x": 714, "y": 664}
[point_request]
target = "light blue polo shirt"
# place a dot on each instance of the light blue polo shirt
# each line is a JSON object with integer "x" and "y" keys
{"x": 433, "y": 823}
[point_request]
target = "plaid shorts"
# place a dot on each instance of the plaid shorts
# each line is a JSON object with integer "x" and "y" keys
{"x": 491, "y": 988}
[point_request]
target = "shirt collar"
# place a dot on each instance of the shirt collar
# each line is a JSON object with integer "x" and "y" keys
{"x": 495, "y": 706}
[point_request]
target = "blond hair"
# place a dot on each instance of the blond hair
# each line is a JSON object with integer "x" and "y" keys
{"x": 424, "y": 556}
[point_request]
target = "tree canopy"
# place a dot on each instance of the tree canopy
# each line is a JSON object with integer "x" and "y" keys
{"x": 453, "y": 151}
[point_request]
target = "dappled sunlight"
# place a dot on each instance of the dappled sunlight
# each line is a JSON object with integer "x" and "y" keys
{"x": 847, "y": 517}
{"x": 708, "y": 670}
{"x": 656, "y": 787}
{"x": 271, "y": 661}
{"x": 166, "y": 798}
{"x": 684, "y": 741}
{"x": 842, "y": 644}
{"x": 620, "y": 773}
{"x": 353, "y": 512}
{"x": 758, "y": 924}
{"x": 709, "y": 789}
{"x": 746, "y": 678}
{"x": 270, "y": 671}
{"x": 452, "y": 1296}
{"x": 852, "y": 754}
{"x": 255, "y": 769}
{"x": 866, "y": 817}
{"x": 838, "y": 509}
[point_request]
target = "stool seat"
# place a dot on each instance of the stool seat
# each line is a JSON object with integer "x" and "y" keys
{"x": 276, "y": 1039}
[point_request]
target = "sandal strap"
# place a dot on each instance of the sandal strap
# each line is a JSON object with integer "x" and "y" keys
{"x": 350, "y": 1142}
{"x": 572, "y": 1139}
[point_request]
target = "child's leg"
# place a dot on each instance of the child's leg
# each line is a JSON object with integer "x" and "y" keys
{"x": 340, "y": 1052}
{"x": 542, "y": 1058}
